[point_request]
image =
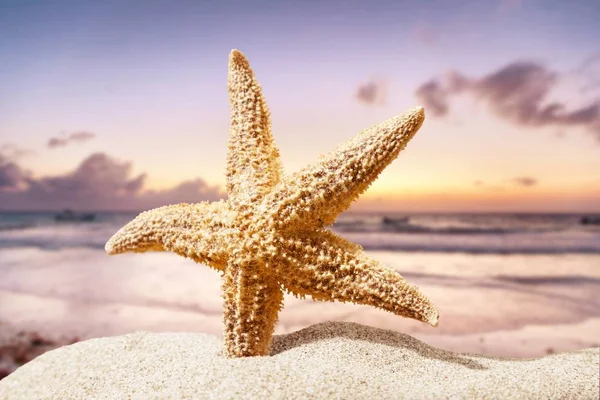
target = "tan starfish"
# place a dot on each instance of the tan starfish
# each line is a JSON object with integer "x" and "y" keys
{"x": 269, "y": 235}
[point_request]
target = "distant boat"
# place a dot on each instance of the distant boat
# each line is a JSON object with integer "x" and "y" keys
{"x": 68, "y": 215}
{"x": 589, "y": 220}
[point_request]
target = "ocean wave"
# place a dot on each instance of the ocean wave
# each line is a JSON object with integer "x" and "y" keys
{"x": 45, "y": 244}
{"x": 16, "y": 227}
{"x": 420, "y": 229}
{"x": 433, "y": 244}
{"x": 451, "y": 248}
{"x": 486, "y": 225}
{"x": 491, "y": 234}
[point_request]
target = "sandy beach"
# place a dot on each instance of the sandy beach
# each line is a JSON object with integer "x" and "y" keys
{"x": 328, "y": 360}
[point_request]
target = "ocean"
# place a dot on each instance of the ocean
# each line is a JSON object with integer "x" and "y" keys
{"x": 468, "y": 233}
{"x": 520, "y": 285}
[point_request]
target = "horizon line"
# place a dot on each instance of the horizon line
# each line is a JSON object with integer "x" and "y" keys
{"x": 131, "y": 211}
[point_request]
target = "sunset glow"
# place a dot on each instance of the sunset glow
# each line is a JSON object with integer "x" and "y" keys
{"x": 510, "y": 91}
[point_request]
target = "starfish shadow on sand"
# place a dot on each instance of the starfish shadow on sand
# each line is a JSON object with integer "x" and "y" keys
{"x": 356, "y": 332}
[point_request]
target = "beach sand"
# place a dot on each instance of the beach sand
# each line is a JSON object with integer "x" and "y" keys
{"x": 329, "y": 360}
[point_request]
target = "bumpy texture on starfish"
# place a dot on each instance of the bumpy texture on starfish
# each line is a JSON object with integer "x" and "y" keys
{"x": 269, "y": 235}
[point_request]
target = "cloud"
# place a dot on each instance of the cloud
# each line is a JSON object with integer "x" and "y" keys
{"x": 13, "y": 152}
{"x": 191, "y": 191}
{"x": 525, "y": 181}
{"x": 12, "y": 177}
{"x": 434, "y": 97}
{"x": 74, "y": 137}
{"x": 98, "y": 183}
{"x": 373, "y": 92}
{"x": 517, "y": 92}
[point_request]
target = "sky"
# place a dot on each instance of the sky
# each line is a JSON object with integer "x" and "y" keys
{"x": 123, "y": 105}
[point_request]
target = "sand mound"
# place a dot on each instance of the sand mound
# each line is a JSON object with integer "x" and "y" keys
{"x": 329, "y": 360}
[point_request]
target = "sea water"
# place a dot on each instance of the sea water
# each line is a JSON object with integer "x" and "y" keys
{"x": 468, "y": 233}
{"x": 505, "y": 284}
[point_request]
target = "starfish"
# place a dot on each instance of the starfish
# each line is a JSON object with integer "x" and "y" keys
{"x": 270, "y": 235}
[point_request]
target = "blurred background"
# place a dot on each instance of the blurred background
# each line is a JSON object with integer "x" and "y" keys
{"x": 111, "y": 108}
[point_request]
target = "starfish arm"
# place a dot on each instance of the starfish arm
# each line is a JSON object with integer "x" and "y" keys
{"x": 319, "y": 193}
{"x": 252, "y": 300}
{"x": 253, "y": 164}
{"x": 328, "y": 267}
{"x": 195, "y": 231}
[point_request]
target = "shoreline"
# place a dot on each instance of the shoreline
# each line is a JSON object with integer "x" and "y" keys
{"x": 532, "y": 340}
{"x": 525, "y": 305}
